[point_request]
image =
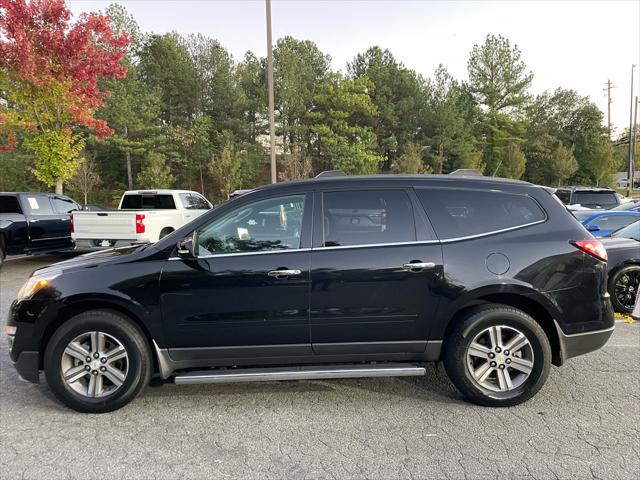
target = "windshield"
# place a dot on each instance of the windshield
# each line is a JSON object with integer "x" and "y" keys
{"x": 630, "y": 231}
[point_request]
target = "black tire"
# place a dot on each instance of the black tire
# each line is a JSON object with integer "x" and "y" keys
{"x": 472, "y": 324}
{"x": 140, "y": 363}
{"x": 623, "y": 301}
{"x": 165, "y": 231}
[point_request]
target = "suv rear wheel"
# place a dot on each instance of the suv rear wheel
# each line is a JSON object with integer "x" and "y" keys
{"x": 97, "y": 361}
{"x": 497, "y": 356}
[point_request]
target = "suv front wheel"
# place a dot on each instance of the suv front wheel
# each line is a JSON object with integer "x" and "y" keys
{"x": 97, "y": 362}
{"x": 497, "y": 356}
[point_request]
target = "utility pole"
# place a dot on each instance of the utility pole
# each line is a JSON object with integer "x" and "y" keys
{"x": 608, "y": 90}
{"x": 630, "y": 166}
{"x": 272, "y": 127}
{"x": 635, "y": 139}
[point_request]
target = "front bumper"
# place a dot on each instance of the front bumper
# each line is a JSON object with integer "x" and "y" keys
{"x": 27, "y": 365}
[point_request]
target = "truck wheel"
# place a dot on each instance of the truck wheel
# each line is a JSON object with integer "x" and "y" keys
{"x": 165, "y": 231}
{"x": 97, "y": 362}
{"x": 497, "y": 356}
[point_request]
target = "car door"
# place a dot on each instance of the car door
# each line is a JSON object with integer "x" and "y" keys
{"x": 44, "y": 223}
{"x": 374, "y": 272}
{"x": 246, "y": 294}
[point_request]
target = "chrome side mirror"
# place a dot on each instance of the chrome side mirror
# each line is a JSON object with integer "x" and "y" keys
{"x": 184, "y": 248}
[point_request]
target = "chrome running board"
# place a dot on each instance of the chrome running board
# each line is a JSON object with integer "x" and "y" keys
{"x": 236, "y": 375}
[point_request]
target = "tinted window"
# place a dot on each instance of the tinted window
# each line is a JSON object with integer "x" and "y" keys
{"x": 63, "y": 205}
{"x": 9, "y": 204}
{"x": 367, "y": 217}
{"x": 595, "y": 199}
{"x": 630, "y": 231}
{"x": 564, "y": 196}
{"x": 148, "y": 202}
{"x": 272, "y": 224}
{"x": 461, "y": 213}
{"x": 613, "y": 222}
{"x": 38, "y": 204}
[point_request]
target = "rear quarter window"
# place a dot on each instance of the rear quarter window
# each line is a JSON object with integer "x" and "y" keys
{"x": 9, "y": 204}
{"x": 463, "y": 213}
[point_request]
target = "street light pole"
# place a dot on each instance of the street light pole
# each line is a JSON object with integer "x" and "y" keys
{"x": 630, "y": 163}
{"x": 272, "y": 127}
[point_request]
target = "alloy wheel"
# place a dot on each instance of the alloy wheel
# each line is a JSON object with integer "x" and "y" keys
{"x": 500, "y": 358}
{"x": 94, "y": 364}
{"x": 626, "y": 288}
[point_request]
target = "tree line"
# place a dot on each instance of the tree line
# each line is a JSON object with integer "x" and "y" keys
{"x": 189, "y": 115}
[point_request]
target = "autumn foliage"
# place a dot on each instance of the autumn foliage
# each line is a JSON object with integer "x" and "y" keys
{"x": 50, "y": 68}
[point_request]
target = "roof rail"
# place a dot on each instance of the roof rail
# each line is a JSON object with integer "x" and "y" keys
{"x": 467, "y": 172}
{"x": 331, "y": 173}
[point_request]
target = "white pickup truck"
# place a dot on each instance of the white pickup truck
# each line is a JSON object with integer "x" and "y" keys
{"x": 143, "y": 216}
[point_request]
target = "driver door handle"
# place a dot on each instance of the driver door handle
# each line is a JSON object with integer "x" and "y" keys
{"x": 284, "y": 273}
{"x": 417, "y": 266}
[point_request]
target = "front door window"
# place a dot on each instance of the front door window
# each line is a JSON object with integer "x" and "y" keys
{"x": 266, "y": 225}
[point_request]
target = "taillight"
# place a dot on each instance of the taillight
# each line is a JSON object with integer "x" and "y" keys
{"x": 592, "y": 247}
{"x": 71, "y": 224}
{"x": 139, "y": 223}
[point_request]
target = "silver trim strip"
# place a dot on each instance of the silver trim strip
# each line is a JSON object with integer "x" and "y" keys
{"x": 582, "y": 334}
{"x": 298, "y": 373}
{"x": 343, "y": 247}
{"x": 493, "y": 232}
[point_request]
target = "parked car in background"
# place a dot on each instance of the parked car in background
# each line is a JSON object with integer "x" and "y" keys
{"x": 143, "y": 216}
{"x": 632, "y": 206}
{"x": 334, "y": 277}
{"x": 34, "y": 222}
{"x": 588, "y": 197}
{"x": 603, "y": 224}
{"x": 623, "y": 248}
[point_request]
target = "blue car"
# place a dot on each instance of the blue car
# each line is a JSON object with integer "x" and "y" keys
{"x": 603, "y": 224}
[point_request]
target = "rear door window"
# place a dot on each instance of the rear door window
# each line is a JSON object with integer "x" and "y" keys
{"x": 367, "y": 217}
{"x": 64, "y": 205}
{"x": 462, "y": 213}
{"x": 38, "y": 204}
{"x": 147, "y": 202}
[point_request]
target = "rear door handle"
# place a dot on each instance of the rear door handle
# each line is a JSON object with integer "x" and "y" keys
{"x": 284, "y": 273}
{"x": 417, "y": 266}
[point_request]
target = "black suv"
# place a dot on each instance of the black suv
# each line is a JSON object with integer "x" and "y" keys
{"x": 335, "y": 277}
{"x": 589, "y": 197}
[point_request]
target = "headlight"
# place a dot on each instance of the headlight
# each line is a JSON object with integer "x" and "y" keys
{"x": 35, "y": 284}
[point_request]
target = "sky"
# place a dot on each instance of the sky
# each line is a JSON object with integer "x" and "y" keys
{"x": 570, "y": 44}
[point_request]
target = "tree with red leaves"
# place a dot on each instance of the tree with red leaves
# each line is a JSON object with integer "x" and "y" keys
{"x": 49, "y": 73}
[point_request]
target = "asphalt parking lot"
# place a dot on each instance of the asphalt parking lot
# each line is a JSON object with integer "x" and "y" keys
{"x": 585, "y": 423}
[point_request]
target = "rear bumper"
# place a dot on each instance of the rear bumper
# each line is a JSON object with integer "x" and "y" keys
{"x": 92, "y": 245}
{"x": 581, "y": 343}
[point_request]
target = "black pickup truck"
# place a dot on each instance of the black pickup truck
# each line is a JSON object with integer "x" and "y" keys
{"x": 34, "y": 222}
